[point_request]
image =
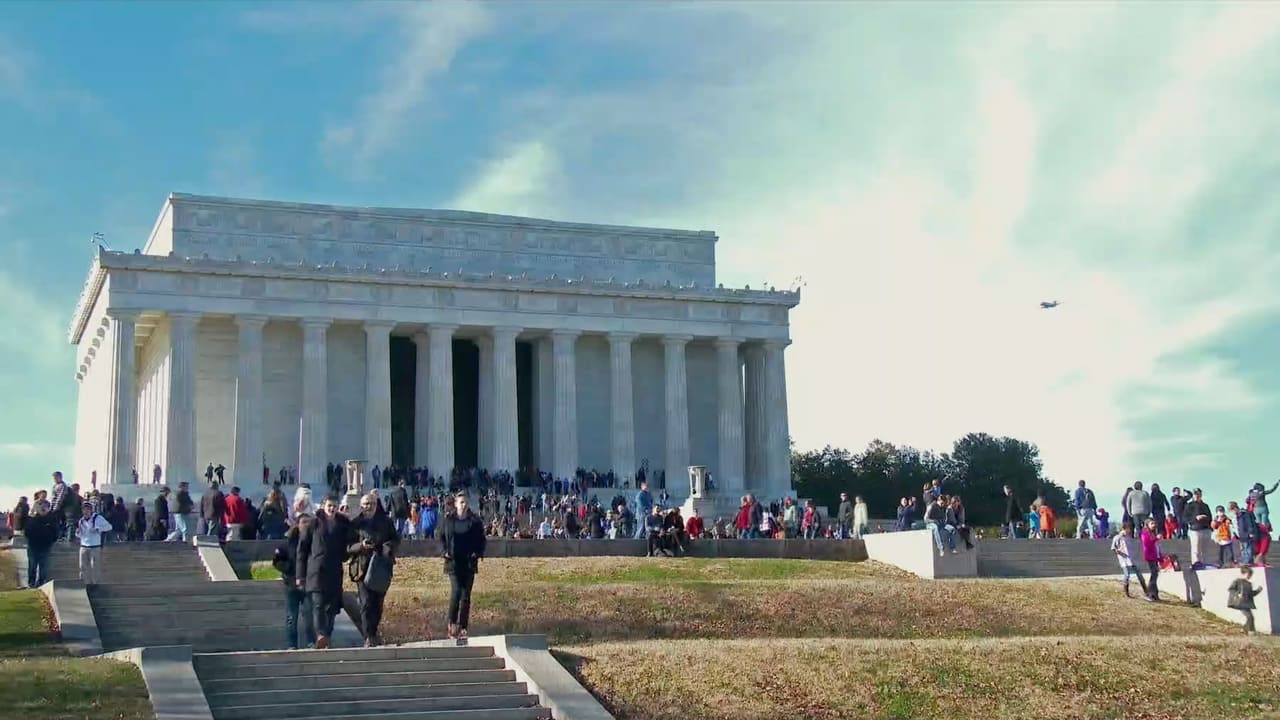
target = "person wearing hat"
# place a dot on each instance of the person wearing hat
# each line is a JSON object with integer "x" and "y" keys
{"x": 1198, "y": 517}
{"x": 90, "y": 530}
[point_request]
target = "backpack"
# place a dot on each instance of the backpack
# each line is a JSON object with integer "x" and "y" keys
{"x": 1089, "y": 500}
{"x": 1235, "y": 595}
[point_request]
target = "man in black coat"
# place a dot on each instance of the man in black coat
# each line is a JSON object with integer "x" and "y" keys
{"x": 321, "y": 552}
{"x": 1012, "y": 512}
{"x": 160, "y": 511}
{"x": 42, "y": 532}
{"x": 400, "y": 508}
{"x": 375, "y": 536}
{"x": 464, "y": 544}
{"x": 212, "y": 505}
{"x": 137, "y": 529}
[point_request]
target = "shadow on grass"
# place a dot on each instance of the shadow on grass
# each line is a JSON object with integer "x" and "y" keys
{"x": 574, "y": 664}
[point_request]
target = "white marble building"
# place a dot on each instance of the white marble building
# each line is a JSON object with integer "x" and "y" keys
{"x": 305, "y": 334}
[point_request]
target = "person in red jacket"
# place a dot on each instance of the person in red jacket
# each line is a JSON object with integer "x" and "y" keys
{"x": 236, "y": 515}
{"x": 743, "y": 519}
{"x": 693, "y": 526}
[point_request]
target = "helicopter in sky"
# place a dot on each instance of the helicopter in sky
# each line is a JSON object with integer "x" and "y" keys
{"x": 1049, "y": 304}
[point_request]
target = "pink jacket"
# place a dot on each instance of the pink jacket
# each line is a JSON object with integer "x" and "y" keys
{"x": 1150, "y": 548}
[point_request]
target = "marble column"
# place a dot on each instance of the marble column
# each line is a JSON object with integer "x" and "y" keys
{"x": 180, "y": 448}
{"x": 246, "y": 468}
{"x": 565, "y": 380}
{"x": 123, "y": 408}
{"x": 377, "y": 403}
{"x": 421, "y": 398}
{"x": 677, "y": 401}
{"x": 315, "y": 403}
{"x": 440, "y": 455}
{"x": 756, "y": 422}
{"x": 622, "y": 431}
{"x": 544, "y": 404}
{"x": 729, "y": 471}
{"x": 484, "y": 403}
{"x": 504, "y": 408}
{"x": 778, "y": 440}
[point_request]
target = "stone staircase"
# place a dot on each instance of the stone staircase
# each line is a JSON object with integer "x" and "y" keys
{"x": 1057, "y": 558}
{"x": 133, "y": 563}
{"x": 208, "y": 616}
{"x": 404, "y": 683}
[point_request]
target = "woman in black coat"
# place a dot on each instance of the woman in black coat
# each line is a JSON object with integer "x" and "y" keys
{"x": 463, "y": 548}
{"x": 322, "y": 548}
{"x": 376, "y": 537}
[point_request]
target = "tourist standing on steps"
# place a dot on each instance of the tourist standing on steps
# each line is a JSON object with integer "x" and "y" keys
{"x": 1178, "y": 508}
{"x": 160, "y": 511}
{"x": 236, "y": 515}
{"x": 399, "y": 503}
{"x": 182, "y": 516}
{"x": 372, "y": 557}
{"x": 1086, "y": 512}
{"x": 463, "y": 547}
{"x": 212, "y": 507}
{"x": 42, "y": 533}
{"x": 1138, "y": 505}
{"x": 297, "y": 604}
{"x": 18, "y": 518}
{"x": 90, "y": 530}
{"x": 322, "y": 549}
{"x": 1198, "y": 520}
{"x": 844, "y": 515}
{"x": 1012, "y": 514}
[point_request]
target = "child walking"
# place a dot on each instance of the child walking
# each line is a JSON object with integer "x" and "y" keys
{"x": 1240, "y": 596}
{"x": 1151, "y": 554}
{"x": 1125, "y": 547}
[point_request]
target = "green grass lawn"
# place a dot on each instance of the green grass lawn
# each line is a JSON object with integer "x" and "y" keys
{"x": 41, "y": 682}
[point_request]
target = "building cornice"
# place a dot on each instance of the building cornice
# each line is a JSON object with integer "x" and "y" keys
{"x": 88, "y": 295}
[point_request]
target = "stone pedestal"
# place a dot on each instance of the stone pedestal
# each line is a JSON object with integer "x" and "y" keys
{"x": 353, "y": 473}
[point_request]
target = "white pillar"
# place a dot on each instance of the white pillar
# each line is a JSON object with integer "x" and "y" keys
{"x": 622, "y": 433}
{"x": 484, "y": 404}
{"x": 677, "y": 395}
{"x": 246, "y": 467}
{"x": 756, "y": 419}
{"x": 779, "y": 440}
{"x": 563, "y": 347}
{"x": 123, "y": 408}
{"x": 180, "y": 450}
{"x": 504, "y": 408}
{"x": 729, "y": 471}
{"x": 422, "y": 399}
{"x": 377, "y": 402}
{"x": 440, "y": 458}
{"x": 315, "y": 402}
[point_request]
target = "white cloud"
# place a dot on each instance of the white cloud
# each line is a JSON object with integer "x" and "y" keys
{"x": 932, "y": 194}
{"x": 430, "y": 35}
{"x": 521, "y": 181}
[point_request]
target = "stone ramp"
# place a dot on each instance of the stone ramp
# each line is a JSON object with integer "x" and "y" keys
{"x": 129, "y": 563}
{"x": 406, "y": 683}
{"x": 209, "y": 616}
{"x": 1057, "y": 558}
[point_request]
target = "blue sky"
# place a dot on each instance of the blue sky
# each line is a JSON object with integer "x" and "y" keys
{"x": 932, "y": 171}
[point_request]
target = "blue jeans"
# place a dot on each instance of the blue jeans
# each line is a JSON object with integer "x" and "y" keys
{"x": 1088, "y": 523}
{"x": 1012, "y": 526}
{"x": 298, "y": 609}
{"x": 641, "y": 532}
{"x": 37, "y": 566}
{"x": 937, "y": 536}
{"x": 1263, "y": 515}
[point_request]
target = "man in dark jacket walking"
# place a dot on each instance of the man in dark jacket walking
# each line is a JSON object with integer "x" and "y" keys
{"x": 463, "y": 547}
{"x": 376, "y": 538}
{"x": 42, "y": 533}
{"x": 297, "y": 604}
{"x": 182, "y": 516}
{"x": 212, "y": 507}
{"x": 321, "y": 552}
{"x": 160, "y": 511}
{"x": 400, "y": 508}
{"x": 1012, "y": 512}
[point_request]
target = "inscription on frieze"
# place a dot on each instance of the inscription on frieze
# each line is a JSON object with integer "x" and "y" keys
{"x": 476, "y": 243}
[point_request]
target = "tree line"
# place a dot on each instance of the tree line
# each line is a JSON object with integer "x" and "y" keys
{"x": 977, "y": 468}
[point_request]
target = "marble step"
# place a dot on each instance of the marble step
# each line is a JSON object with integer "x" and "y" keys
{"x": 533, "y": 713}
{"x": 358, "y": 680}
{"x": 362, "y": 707}
{"x": 281, "y": 670}
{"x": 215, "y": 663}
{"x": 385, "y": 692}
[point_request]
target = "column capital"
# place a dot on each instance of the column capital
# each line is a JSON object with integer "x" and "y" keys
{"x": 421, "y": 338}
{"x": 565, "y": 333}
{"x": 728, "y": 343}
{"x": 775, "y": 343}
{"x": 621, "y": 337}
{"x": 676, "y": 340}
{"x": 315, "y": 323}
{"x": 505, "y": 330}
{"x": 441, "y": 330}
{"x": 191, "y": 317}
{"x": 251, "y": 322}
{"x": 123, "y": 315}
{"x": 378, "y": 326}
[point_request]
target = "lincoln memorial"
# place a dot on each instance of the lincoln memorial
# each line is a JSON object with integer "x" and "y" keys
{"x": 250, "y": 332}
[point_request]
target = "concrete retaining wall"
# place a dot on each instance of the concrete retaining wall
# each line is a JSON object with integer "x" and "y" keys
{"x": 914, "y": 551}
{"x": 1214, "y": 584}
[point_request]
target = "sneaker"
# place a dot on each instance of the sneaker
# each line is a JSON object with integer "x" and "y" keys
{"x": 462, "y": 634}
{"x": 942, "y": 553}
{"x": 322, "y": 643}
{"x": 955, "y": 552}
